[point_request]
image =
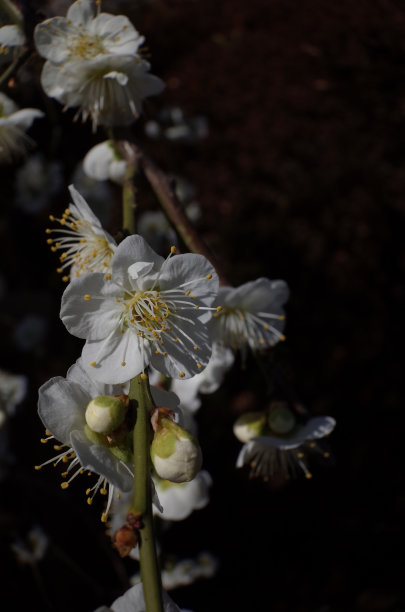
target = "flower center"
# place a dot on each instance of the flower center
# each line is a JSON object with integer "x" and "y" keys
{"x": 146, "y": 312}
{"x": 84, "y": 46}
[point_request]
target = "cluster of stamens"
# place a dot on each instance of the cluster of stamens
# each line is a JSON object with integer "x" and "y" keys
{"x": 239, "y": 326}
{"x": 68, "y": 457}
{"x": 82, "y": 248}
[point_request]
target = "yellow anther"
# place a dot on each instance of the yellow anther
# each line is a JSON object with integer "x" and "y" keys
{"x": 107, "y": 277}
{"x": 64, "y": 485}
{"x": 218, "y": 308}
{"x": 49, "y": 241}
{"x": 281, "y": 317}
{"x": 144, "y": 376}
{"x": 65, "y": 279}
{"x": 64, "y": 474}
{"x": 123, "y": 363}
{"x": 48, "y": 231}
{"x": 44, "y": 440}
{"x": 181, "y": 374}
{"x": 88, "y": 491}
{"x": 312, "y": 444}
{"x": 47, "y": 432}
{"x": 199, "y": 366}
{"x": 300, "y": 455}
{"x": 87, "y": 297}
{"x": 308, "y": 475}
{"x": 282, "y": 338}
{"x": 104, "y": 517}
{"x": 195, "y": 348}
{"x": 209, "y": 276}
{"x": 65, "y": 459}
{"x": 51, "y": 218}
{"x": 197, "y": 307}
{"x": 266, "y": 326}
{"x": 59, "y": 270}
{"x": 93, "y": 363}
{"x": 89, "y": 501}
{"x": 173, "y": 250}
{"x": 37, "y": 467}
{"x": 103, "y": 491}
{"x": 118, "y": 495}
{"x": 187, "y": 292}
{"x": 326, "y": 455}
{"x": 57, "y": 447}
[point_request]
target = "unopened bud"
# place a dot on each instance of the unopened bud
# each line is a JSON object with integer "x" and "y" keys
{"x": 105, "y": 413}
{"x": 281, "y": 419}
{"x": 249, "y": 425}
{"x": 175, "y": 452}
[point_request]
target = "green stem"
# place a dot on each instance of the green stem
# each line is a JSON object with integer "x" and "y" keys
{"x": 128, "y": 201}
{"x": 142, "y": 500}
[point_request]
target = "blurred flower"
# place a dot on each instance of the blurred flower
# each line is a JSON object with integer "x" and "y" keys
{"x": 180, "y": 500}
{"x": 13, "y": 389}
{"x": 251, "y": 315}
{"x": 13, "y": 123}
{"x": 144, "y": 314}
{"x": 182, "y": 573}
{"x": 86, "y": 246}
{"x": 11, "y": 36}
{"x": 155, "y": 228}
{"x": 93, "y": 62}
{"x": 36, "y": 182}
{"x": 173, "y": 125}
{"x": 30, "y": 332}
{"x": 33, "y": 548}
{"x": 133, "y": 601}
{"x": 283, "y": 448}
{"x": 187, "y": 571}
{"x": 103, "y": 162}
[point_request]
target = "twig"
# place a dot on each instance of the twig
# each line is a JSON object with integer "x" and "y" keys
{"x": 164, "y": 191}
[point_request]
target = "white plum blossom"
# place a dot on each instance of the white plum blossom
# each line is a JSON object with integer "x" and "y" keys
{"x": 62, "y": 409}
{"x": 14, "y": 142}
{"x": 283, "y": 449}
{"x": 86, "y": 247}
{"x": 133, "y": 601}
{"x": 13, "y": 389}
{"x": 148, "y": 310}
{"x": 103, "y": 163}
{"x": 251, "y": 314}
{"x": 93, "y": 62}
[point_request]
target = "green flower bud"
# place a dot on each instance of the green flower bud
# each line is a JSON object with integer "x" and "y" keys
{"x": 105, "y": 413}
{"x": 249, "y": 425}
{"x": 281, "y": 419}
{"x": 175, "y": 452}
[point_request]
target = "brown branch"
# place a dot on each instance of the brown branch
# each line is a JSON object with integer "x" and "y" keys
{"x": 164, "y": 191}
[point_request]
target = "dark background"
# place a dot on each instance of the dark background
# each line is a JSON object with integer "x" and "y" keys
{"x": 301, "y": 177}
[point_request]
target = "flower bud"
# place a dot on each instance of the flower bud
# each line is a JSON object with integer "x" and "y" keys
{"x": 176, "y": 454}
{"x": 281, "y": 419}
{"x": 249, "y": 425}
{"x": 105, "y": 413}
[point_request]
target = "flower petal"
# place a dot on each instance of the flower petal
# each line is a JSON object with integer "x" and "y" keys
{"x": 60, "y": 407}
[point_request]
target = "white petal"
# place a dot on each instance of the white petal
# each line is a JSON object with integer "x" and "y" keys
{"x": 24, "y": 117}
{"x": 99, "y": 460}
{"x": 109, "y": 357}
{"x": 130, "y": 250}
{"x": 118, "y": 33}
{"x": 11, "y": 36}
{"x": 81, "y": 12}
{"x": 61, "y": 407}
{"x": 94, "y": 318}
{"x": 52, "y": 39}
